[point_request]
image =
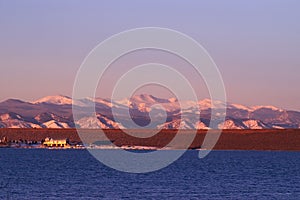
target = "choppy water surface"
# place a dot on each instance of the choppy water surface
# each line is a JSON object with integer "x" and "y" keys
{"x": 75, "y": 174}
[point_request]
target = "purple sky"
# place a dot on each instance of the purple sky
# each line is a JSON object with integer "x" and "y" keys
{"x": 256, "y": 44}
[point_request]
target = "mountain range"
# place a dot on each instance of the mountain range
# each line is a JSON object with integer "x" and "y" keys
{"x": 145, "y": 110}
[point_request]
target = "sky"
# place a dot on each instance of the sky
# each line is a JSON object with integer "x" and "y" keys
{"x": 255, "y": 44}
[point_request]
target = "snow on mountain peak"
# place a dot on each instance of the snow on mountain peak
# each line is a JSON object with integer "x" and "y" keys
{"x": 242, "y": 107}
{"x": 15, "y": 113}
{"x": 254, "y": 124}
{"x": 267, "y": 107}
{"x": 104, "y": 101}
{"x": 146, "y": 98}
{"x": 172, "y": 100}
{"x": 58, "y": 100}
{"x": 208, "y": 103}
{"x": 8, "y": 116}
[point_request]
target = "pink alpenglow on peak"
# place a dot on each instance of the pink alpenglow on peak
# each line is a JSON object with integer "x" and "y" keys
{"x": 56, "y": 112}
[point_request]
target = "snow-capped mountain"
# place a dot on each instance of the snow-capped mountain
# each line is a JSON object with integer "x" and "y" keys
{"x": 58, "y": 100}
{"x": 50, "y": 120}
{"x": 141, "y": 110}
{"x": 13, "y": 120}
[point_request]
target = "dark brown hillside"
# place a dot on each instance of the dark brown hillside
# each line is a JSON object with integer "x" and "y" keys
{"x": 270, "y": 139}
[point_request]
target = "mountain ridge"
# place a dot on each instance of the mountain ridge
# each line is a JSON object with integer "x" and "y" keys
{"x": 56, "y": 112}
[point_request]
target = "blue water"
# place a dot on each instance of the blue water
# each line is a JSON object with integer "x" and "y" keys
{"x": 75, "y": 174}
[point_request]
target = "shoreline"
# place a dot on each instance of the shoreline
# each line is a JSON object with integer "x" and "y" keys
{"x": 82, "y": 149}
{"x": 261, "y": 140}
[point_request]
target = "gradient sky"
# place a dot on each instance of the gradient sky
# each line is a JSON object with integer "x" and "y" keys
{"x": 256, "y": 44}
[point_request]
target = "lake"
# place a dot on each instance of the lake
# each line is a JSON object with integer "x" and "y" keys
{"x": 75, "y": 174}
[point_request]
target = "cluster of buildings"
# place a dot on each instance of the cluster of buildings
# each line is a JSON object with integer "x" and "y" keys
{"x": 46, "y": 143}
{"x": 50, "y": 142}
